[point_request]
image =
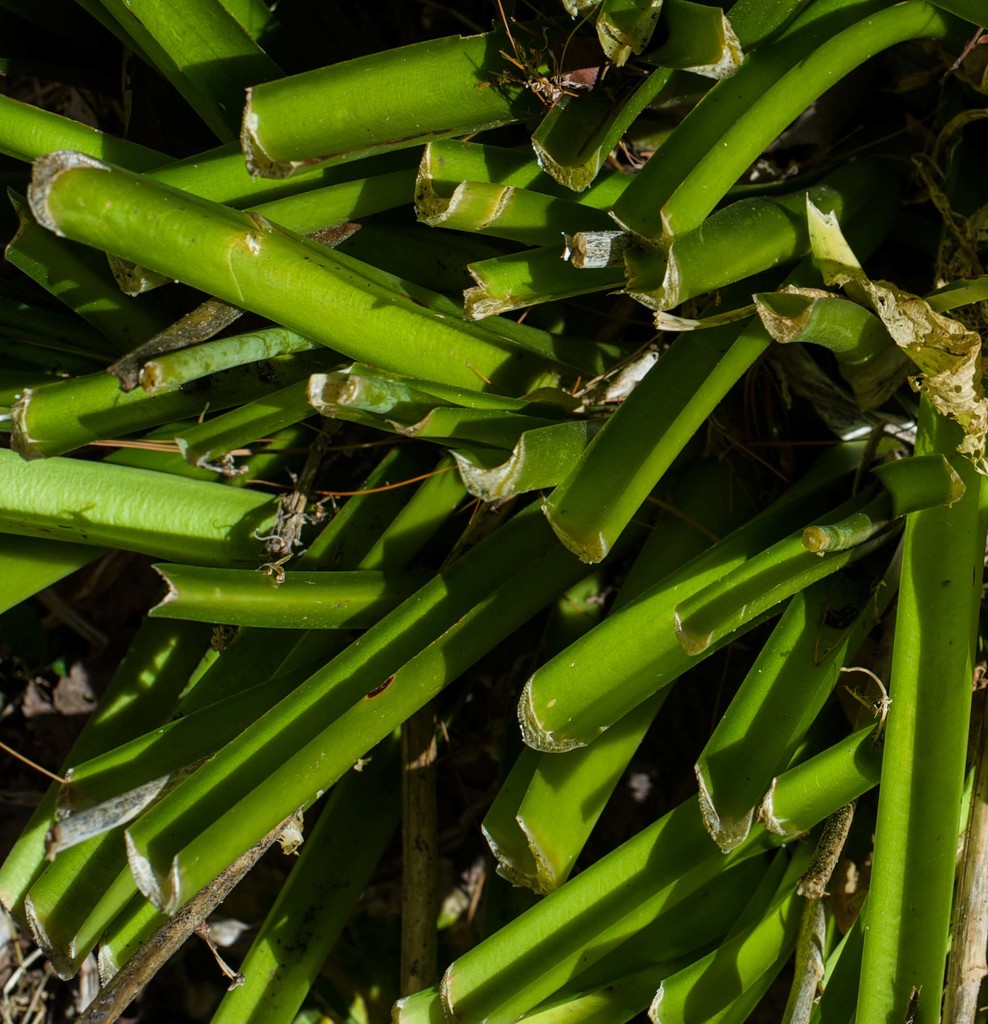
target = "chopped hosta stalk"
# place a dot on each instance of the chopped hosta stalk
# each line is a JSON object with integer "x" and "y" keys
{"x": 867, "y": 357}
{"x": 346, "y": 111}
{"x": 541, "y": 458}
{"x": 137, "y": 510}
{"x": 614, "y": 991}
{"x": 852, "y": 766}
{"x": 301, "y": 600}
{"x": 639, "y": 209}
{"x": 727, "y": 984}
{"x": 76, "y": 897}
{"x": 142, "y": 690}
{"x": 175, "y": 368}
{"x": 551, "y": 802}
{"x": 358, "y": 389}
{"x": 29, "y": 564}
{"x": 337, "y": 859}
{"x": 81, "y": 279}
{"x": 793, "y": 675}
{"x": 504, "y": 211}
{"x": 573, "y": 698}
{"x": 67, "y": 414}
{"x": 780, "y": 571}
{"x": 625, "y": 27}
{"x": 611, "y": 901}
{"x": 390, "y": 404}
{"x": 304, "y": 286}
{"x": 372, "y": 686}
{"x": 578, "y": 134}
{"x": 926, "y": 741}
{"x": 600, "y": 495}
{"x": 375, "y": 390}
{"x": 698, "y": 39}
{"x": 708, "y": 181}
{"x": 524, "y": 858}
{"x": 207, "y": 444}
{"x": 199, "y": 47}
{"x": 805, "y": 314}
{"x": 922, "y": 481}
{"x": 530, "y": 277}
{"x": 773, "y": 230}
{"x": 447, "y": 163}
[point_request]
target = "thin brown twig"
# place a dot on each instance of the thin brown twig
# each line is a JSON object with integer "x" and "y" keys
{"x": 128, "y": 983}
{"x": 33, "y": 764}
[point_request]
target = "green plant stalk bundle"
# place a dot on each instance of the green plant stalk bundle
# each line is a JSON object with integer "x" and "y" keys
{"x": 642, "y": 881}
{"x": 258, "y": 669}
{"x": 299, "y": 600}
{"x": 574, "y": 697}
{"x": 81, "y": 279}
{"x": 926, "y": 738}
{"x": 201, "y": 49}
{"x": 64, "y": 415}
{"x": 597, "y": 499}
{"x": 793, "y": 675}
{"x": 774, "y": 231}
{"x": 447, "y": 86}
{"x": 136, "y": 510}
{"x": 545, "y": 811}
{"x": 144, "y": 688}
{"x": 337, "y": 859}
{"x": 730, "y": 128}
{"x": 575, "y": 138}
{"x": 246, "y": 261}
{"x": 372, "y": 686}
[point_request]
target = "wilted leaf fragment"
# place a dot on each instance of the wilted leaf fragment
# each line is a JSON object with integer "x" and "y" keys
{"x": 946, "y": 352}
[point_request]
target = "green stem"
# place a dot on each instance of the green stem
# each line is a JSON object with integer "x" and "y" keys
{"x": 248, "y": 262}
{"x": 302, "y": 600}
{"x": 926, "y": 739}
